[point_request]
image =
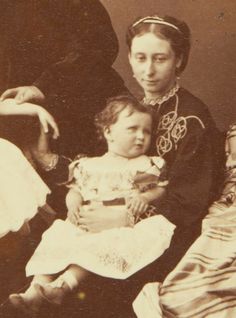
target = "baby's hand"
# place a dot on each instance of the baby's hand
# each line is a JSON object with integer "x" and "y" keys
{"x": 137, "y": 204}
{"x": 74, "y": 205}
{"x": 73, "y": 215}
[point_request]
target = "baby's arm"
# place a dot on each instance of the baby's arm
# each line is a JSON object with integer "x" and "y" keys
{"x": 154, "y": 194}
{"x": 74, "y": 201}
{"x": 9, "y": 107}
{"x": 138, "y": 204}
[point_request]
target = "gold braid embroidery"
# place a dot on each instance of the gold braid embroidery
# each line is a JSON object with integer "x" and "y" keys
{"x": 174, "y": 127}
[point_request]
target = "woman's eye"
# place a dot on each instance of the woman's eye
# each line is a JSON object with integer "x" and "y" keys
{"x": 140, "y": 58}
{"x": 160, "y": 59}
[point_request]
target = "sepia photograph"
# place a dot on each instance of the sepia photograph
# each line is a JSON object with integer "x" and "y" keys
{"x": 117, "y": 159}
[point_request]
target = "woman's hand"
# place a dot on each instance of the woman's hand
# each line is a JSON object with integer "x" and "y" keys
{"x": 24, "y": 94}
{"x": 9, "y": 107}
{"x": 100, "y": 218}
{"x": 47, "y": 120}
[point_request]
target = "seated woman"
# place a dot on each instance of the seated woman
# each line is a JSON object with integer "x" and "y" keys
{"x": 184, "y": 135}
{"x": 203, "y": 283}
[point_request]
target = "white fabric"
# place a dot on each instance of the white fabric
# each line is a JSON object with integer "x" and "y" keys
{"x": 116, "y": 253}
{"x": 21, "y": 189}
{"x": 146, "y": 304}
{"x": 109, "y": 177}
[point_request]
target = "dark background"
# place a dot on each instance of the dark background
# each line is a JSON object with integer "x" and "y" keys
{"x": 211, "y": 72}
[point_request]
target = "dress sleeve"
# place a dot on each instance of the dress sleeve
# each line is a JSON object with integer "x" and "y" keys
{"x": 153, "y": 176}
{"x": 191, "y": 178}
{"x": 76, "y": 175}
{"x": 90, "y": 42}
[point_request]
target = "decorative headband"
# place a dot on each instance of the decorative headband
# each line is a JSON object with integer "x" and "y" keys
{"x": 157, "y": 20}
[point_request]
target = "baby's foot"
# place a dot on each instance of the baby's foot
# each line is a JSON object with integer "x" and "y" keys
{"x": 54, "y": 292}
{"x": 29, "y": 302}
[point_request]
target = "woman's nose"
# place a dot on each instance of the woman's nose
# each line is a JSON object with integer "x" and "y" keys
{"x": 149, "y": 68}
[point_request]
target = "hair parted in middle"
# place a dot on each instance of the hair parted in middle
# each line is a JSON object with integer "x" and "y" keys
{"x": 114, "y": 106}
{"x": 169, "y": 28}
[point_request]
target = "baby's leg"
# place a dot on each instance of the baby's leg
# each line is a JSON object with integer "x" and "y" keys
{"x": 56, "y": 290}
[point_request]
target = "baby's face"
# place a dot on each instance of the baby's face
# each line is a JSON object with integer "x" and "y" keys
{"x": 130, "y": 136}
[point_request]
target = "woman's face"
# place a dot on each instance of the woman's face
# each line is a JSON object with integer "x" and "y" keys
{"x": 154, "y": 64}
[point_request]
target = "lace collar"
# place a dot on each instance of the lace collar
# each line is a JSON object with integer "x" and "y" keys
{"x": 160, "y": 100}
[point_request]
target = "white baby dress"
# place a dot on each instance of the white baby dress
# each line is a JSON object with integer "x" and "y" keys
{"x": 117, "y": 252}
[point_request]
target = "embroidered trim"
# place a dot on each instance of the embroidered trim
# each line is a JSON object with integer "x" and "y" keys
{"x": 160, "y": 100}
{"x": 174, "y": 129}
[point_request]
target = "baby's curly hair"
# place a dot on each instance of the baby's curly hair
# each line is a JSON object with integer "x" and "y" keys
{"x": 114, "y": 106}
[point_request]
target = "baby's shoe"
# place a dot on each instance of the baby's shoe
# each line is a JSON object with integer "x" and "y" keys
{"x": 28, "y": 303}
{"x": 54, "y": 292}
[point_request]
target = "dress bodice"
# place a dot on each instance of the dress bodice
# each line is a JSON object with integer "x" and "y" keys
{"x": 109, "y": 177}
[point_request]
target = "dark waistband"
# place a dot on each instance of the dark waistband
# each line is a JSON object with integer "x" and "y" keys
{"x": 118, "y": 201}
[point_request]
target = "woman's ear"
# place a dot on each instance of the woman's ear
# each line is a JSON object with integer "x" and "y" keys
{"x": 179, "y": 61}
{"x": 129, "y": 58}
{"x": 107, "y": 134}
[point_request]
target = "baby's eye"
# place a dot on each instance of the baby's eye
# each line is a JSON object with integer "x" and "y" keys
{"x": 147, "y": 131}
{"x": 132, "y": 128}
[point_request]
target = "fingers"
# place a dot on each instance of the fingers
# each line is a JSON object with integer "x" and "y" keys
{"x": 9, "y": 93}
{"x": 73, "y": 216}
{"x": 44, "y": 124}
{"x": 137, "y": 207}
{"x": 47, "y": 120}
{"x": 22, "y": 96}
{"x": 54, "y": 127}
{"x": 83, "y": 227}
{"x": 83, "y": 220}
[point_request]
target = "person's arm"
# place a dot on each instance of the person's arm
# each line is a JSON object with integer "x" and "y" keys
{"x": 192, "y": 178}
{"x": 74, "y": 201}
{"x": 154, "y": 194}
{"x": 9, "y": 107}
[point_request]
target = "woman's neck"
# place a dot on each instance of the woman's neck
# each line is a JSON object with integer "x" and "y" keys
{"x": 153, "y": 99}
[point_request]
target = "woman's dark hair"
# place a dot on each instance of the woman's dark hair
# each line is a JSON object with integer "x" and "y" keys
{"x": 114, "y": 106}
{"x": 169, "y": 28}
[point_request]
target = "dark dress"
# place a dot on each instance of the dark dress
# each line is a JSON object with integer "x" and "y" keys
{"x": 66, "y": 49}
{"x": 185, "y": 135}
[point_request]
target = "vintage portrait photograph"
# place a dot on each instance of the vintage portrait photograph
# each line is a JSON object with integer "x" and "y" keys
{"x": 117, "y": 159}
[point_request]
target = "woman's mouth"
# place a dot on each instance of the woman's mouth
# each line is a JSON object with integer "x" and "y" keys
{"x": 150, "y": 82}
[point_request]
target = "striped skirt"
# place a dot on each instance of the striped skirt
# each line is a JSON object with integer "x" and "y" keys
{"x": 204, "y": 282}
